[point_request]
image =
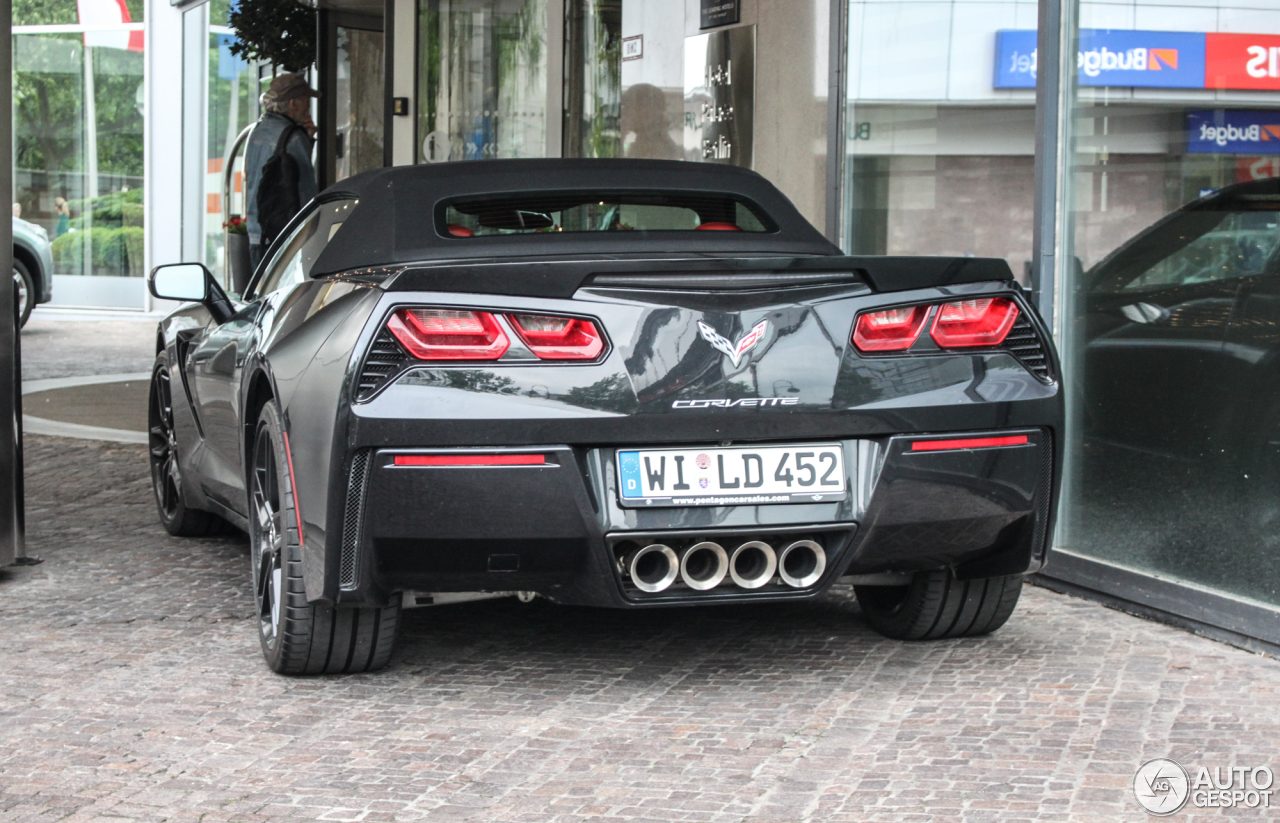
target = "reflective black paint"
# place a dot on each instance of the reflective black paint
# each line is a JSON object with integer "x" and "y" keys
{"x": 433, "y": 529}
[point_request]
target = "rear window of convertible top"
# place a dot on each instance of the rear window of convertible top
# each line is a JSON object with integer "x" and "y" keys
{"x": 531, "y": 213}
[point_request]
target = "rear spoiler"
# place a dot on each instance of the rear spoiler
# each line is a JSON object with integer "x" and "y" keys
{"x": 906, "y": 273}
{"x": 562, "y": 277}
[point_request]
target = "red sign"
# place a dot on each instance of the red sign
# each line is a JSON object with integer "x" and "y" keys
{"x": 1257, "y": 168}
{"x": 1242, "y": 61}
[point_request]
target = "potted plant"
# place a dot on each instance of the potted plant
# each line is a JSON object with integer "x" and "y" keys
{"x": 238, "y": 252}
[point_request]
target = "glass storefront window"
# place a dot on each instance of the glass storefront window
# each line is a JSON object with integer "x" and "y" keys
{"x": 482, "y": 87}
{"x": 359, "y": 104}
{"x": 231, "y": 105}
{"x": 939, "y": 160}
{"x": 1174, "y": 307}
{"x": 651, "y": 72}
{"x": 78, "y": 137}
{"x": 593, "y": 78}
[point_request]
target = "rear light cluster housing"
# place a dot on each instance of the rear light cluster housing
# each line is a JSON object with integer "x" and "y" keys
{"x": 433, "y": 334}
{"x": 974, "y": 323}
{"x": 981, "y": 322}
{"x": 457, "y": 336}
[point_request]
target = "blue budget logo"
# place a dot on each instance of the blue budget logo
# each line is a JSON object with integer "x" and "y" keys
{"x": 1110, "y": 57}
{"x": 1233, "y": 132}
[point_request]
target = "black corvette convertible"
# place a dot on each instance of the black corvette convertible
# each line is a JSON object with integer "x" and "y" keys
{"x": 619, "y": 383}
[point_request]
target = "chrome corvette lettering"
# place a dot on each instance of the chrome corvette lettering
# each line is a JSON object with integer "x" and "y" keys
{"x": 729, "y": 404}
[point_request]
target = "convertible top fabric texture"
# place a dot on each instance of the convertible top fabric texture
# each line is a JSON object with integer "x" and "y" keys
{"x": 398, "y": 221}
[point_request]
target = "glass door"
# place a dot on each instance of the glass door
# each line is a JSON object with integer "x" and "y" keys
{"x": 353, "y": 97}
{"x": 482, "y": 79}
{"x": 358, "y": 96}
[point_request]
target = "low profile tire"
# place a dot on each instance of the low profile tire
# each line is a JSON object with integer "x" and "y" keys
{"x": 299, "y": 637}
{"x": 166, "y": 471}
{"x": 935, "y": 606}
{"x": 26, "y": 291}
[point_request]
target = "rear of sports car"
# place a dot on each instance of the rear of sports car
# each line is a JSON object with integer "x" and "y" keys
{"x": 697, "y": 433}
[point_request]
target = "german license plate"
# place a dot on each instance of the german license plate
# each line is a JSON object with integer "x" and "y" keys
{"x": 732, "y": 476}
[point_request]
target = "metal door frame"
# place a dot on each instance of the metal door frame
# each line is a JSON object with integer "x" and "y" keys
{"x": 327, "y": 26}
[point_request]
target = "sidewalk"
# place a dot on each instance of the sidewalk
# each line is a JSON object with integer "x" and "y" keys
{"x": 62, "y": 343}
{"x": 132, "y": 689}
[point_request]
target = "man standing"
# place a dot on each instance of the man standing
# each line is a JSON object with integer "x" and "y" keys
{"x": 286, "y": 107}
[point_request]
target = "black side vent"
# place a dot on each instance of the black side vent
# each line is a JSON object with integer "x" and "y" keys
{"x": 357, "y": 481}
{"x": 385, "y": 360}
{"x": 1024, "y": 343}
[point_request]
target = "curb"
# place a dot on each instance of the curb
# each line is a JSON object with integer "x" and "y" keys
{"x": 56, "y": 428}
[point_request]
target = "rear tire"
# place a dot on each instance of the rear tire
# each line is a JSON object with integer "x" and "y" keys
{"x": 935, "y": 606}
{"x": 297, "y": 636}
{"x": 166, "y": 470}
{"x": 26, "y": 294}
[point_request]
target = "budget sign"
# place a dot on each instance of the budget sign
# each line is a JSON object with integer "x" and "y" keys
{"x": 1233, "y": 132}
{"x": 1110, "y": 57}
{"x": 1242, "y": 61}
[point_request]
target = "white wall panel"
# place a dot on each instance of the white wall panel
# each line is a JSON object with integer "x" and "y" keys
{"x": 1106, "y": 16}
{"x": 1175, "y": 18}
{"x": 973, "y": 48}
{"x": 904, "y": 49}
{"x": 1250, "y": 20}
{"x": 402, "y": 32}
{"x": 1026, "y": 16}
{"x": 162, "y": 134}
{"x": 661, "y": 24}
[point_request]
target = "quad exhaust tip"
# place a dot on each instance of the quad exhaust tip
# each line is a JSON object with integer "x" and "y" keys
{"x": 753, "y": 564}
{"x": 653, "y": 568}
{"x": 704, "y": 566}
{"x": 801, "y": 564}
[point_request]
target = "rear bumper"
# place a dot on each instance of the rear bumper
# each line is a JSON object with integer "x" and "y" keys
{"x": 558, "y": 529}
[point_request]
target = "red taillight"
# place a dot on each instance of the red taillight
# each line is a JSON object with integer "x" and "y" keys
{"x": 449, "y": 334}
{"x": 969, "y": 323}
{"x": 471, "y": 459}
{"x": 558, "y": 338}
{"x": 968, "y": 443}
{"x": 889, "y": 329}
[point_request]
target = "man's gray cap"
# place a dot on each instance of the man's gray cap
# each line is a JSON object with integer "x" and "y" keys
{"x": 288, "y": 87}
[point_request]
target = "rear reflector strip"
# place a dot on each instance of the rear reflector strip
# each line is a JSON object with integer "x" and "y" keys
{"x": 471, "y": 459}
{"x": 968, "y": 443}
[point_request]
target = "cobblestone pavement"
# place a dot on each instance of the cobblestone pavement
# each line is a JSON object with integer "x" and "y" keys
{"x": 70, "y": 348}
{"x": 132, "y": 689}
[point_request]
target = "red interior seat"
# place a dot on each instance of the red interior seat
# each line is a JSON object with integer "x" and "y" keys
{"x": 460, "y": 231}
{"x": 719, "y": 226}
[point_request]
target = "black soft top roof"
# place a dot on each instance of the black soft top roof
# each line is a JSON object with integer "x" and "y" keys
{"x": 396, "y": 221}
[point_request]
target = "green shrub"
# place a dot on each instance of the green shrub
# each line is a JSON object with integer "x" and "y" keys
{"x": 115, "y": 251}
{"x": 119, "y": 208}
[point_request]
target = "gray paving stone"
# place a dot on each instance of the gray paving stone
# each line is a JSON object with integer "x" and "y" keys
{"x": 131, "y": 688}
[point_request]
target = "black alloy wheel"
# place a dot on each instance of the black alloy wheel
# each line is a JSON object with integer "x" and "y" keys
{"x": 26, "y": 291}
{"x": 166, "y": 469}
{"x": 935, "y": 605}
{"x": 299, "y": 636}
{"x": 268, "y": 538}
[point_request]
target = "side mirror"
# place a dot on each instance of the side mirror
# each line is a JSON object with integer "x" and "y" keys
{"x": 180, "y": 281}
{"x": 191, "y": 282}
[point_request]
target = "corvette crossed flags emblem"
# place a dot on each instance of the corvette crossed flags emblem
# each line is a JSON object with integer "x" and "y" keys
{"x": 734, "y": 351}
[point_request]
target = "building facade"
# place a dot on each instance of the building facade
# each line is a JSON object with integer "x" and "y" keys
{"x": 1123, "y": 157}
